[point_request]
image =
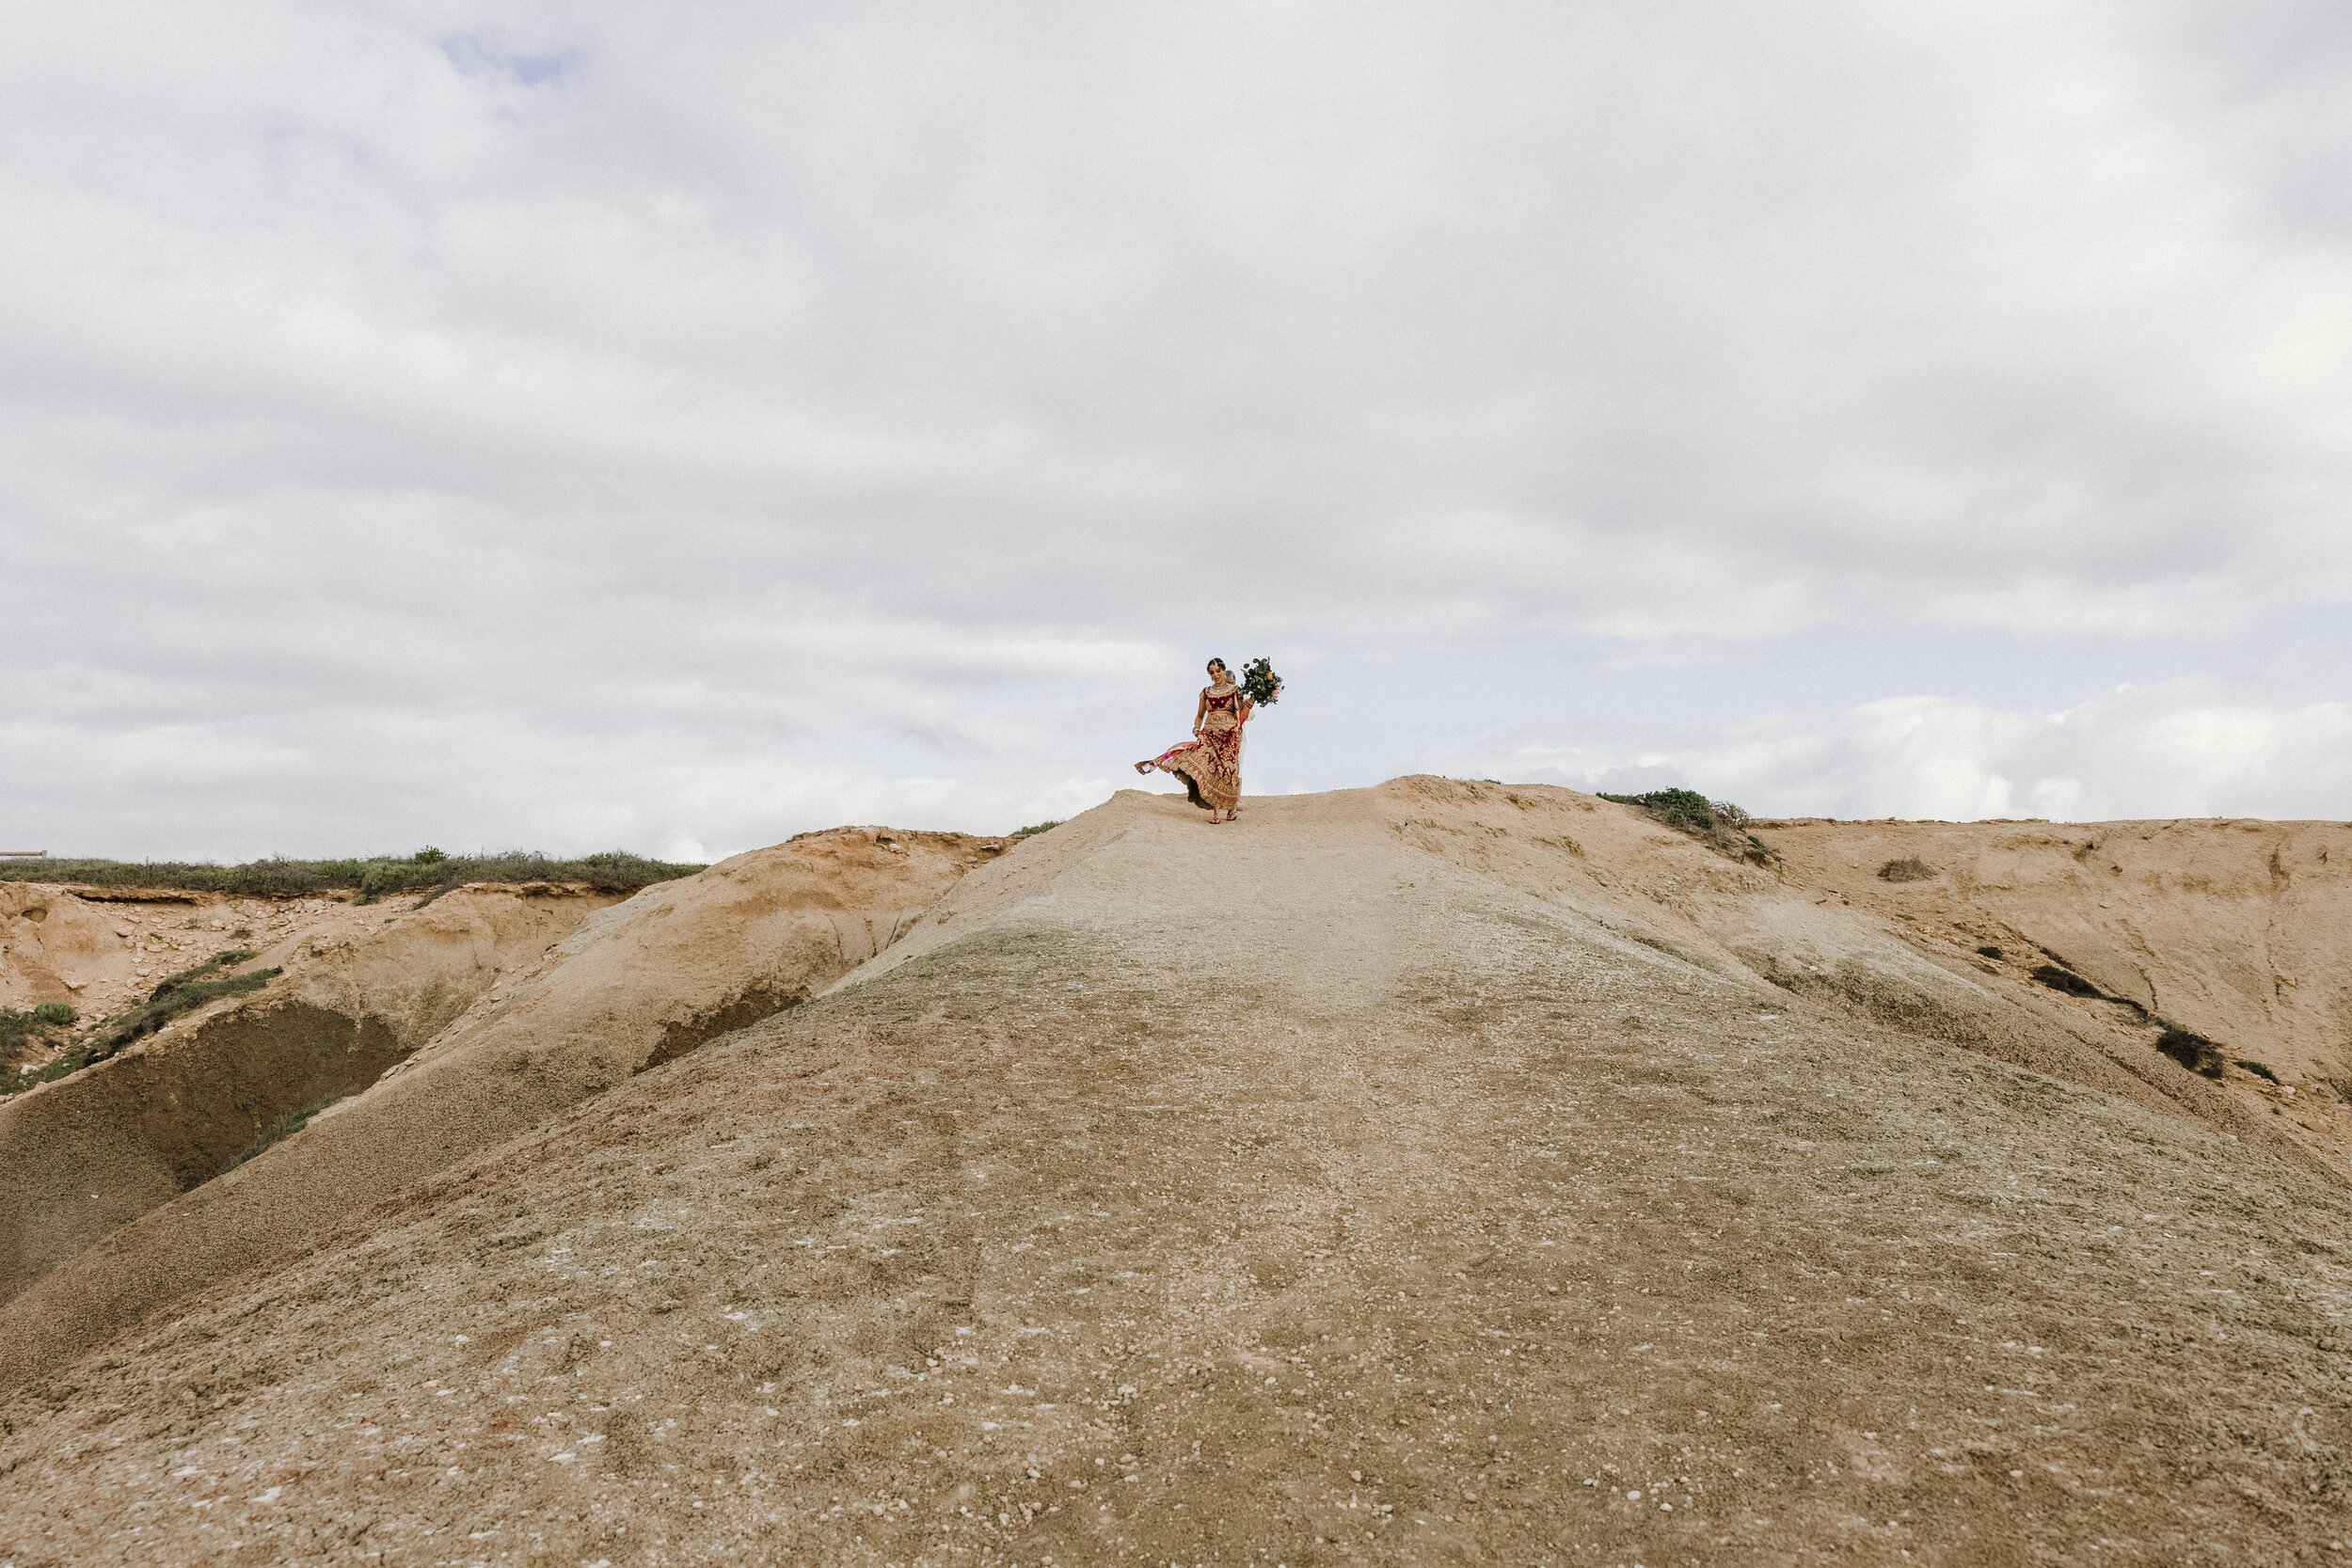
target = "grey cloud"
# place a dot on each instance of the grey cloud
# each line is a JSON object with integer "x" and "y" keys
{"x": 631, "y": 405}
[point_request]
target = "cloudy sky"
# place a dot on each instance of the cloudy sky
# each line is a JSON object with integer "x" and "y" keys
{"x": 582, "y": 425}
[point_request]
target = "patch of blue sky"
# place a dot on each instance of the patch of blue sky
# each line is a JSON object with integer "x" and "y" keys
{"x": 478, "y": 55}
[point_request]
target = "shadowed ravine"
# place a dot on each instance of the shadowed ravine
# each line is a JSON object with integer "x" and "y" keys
{"x": 1325, "y": 1187}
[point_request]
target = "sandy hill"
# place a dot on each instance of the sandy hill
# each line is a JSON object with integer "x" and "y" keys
{"x": 1437, "y": 1172}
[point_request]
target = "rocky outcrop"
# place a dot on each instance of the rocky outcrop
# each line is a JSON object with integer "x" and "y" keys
{"x": 53, "y": 944}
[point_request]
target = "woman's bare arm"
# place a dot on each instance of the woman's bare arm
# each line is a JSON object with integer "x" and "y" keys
{"x": 1201, "y": 712}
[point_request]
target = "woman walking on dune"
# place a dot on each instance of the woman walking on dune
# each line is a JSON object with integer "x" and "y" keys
{"x": 1209, "y": 762}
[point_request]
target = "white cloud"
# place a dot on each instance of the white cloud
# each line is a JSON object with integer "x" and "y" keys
{"x": 2181, "y": 750}
{"x": 714, "y": 420}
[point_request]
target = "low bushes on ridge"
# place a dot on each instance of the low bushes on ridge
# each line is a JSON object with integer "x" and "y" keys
{"x": 30, "y": 1028}
{"x": 32, "y": 1032}
{"x": 182, "y": 992}
{"x": 1718, "y": 824}
{"x": 373, "y": 876}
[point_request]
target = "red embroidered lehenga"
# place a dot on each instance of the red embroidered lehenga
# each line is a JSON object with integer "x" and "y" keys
{"x": 1211, "y": 765}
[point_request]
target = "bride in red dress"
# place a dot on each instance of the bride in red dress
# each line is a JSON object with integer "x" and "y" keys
{"x": 1209, "y": 762}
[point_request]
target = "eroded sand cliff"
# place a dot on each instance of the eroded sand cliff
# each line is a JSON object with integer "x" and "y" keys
{"x": 362, "y": 987}
{"x": 463, "y": 1053}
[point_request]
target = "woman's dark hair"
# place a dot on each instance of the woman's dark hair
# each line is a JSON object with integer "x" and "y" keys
{"x": 1215, "y": 662}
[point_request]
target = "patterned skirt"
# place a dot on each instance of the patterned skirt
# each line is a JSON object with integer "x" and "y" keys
{"x": 1210, "y": 767}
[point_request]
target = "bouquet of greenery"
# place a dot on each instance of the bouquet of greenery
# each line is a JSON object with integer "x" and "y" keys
{"x": 1260, "y": 684}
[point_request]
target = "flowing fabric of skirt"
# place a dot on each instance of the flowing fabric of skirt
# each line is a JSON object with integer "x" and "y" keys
{"x": 1210, "y": 767}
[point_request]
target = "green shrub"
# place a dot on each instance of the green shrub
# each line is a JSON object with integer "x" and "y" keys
{"x": 1909, "y": 869}
{"x": 378, "y": 877}
{"x": 1684, "y": 809}
{"x": 182, "y": 992}
{"x": 2257, "y": 1069}
{"x": 69, "y": 1062}
{"x": 374, "y": 876}
{"x": 17, "y": 1028}
{"x": 275, "y": 877}
{"x": 1036, "y": 827}
{"x": 36, "y": 1030}
{"x": 2191, "y": 1049}
{"x": 1718, "y": 824}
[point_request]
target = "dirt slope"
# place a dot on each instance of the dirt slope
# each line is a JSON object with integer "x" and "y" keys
{"x": 362, "y": 987}
{"x": 50, "y": 939}
{"x": 2241, "y": 931}
{"x": 99, "y": 947}
{"x": 632, "y": 985}
{"x": 1342, "y": 1185}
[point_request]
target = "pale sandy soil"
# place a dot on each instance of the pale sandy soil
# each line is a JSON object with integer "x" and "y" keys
{"x": 1411, "y": 1174}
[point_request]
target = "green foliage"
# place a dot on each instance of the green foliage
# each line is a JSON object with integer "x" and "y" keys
{"x": 378, "y": 877}
{"x": 71, "y": 1061}
{"x": 38, "y": 1029}
{"x": 1911, "y": 868}
{"x": 1037, "y": 828}
{"x": 1718, "y": 824}
{"x": 2257, "y": 1069}
{"x": 182, "y": 992}
{"x": 1260, "y": 684}
{"x": 1685, "y": 810}
{"x": 18, "y": 1029}
{"x": 374, "y": 876}
{"x": 43, "y": 1027}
